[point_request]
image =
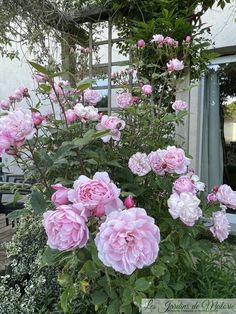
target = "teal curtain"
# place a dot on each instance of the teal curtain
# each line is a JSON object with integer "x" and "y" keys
{"x": 212, "y": 151}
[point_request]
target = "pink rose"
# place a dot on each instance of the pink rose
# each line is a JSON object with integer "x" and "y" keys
{"x": 185, "y": 207}
{"x": 188, "y": 39}
{"x": 128, "y": 240}
{"x": 57, "y": 93}
{"x": 124, "y": 100}
{"x": 66, "y": 227}
{"x": 184, "y": 184}
{"x": 129, "y": 202}
{"x": 158, "y": 39}
{"x": 37, "y": 118}
{"x": 136, "y": 99}
{"x": 99, "y": 191}
{"x": 40, "y": 78}
{"x": 141, "y": 43}
{"x": 147, "y": 89}
{"x": 5, "y": 105}
{"x": 226, "y": 196}
{"x": 179, "y": 105}
{"x": 112, "y": 123}
{"x": 86, "y": 113}
{"x": 211, "y": 198}
{"x": 71, "y": 116}
{"x": 139, "y": 164}
{"x": 20, "y": 93}
{"x": 221, "y": 226}
{"x": 18, "y": 125}
{"x": 156, "y": 162}
{"x": 175, "y": 65}
{"x": 5, "y": 141}
{"x": 175, "y": 160}
{"x": 92, "y": 97}
{"x": 60, "y": 197}
{"x": 169, "y": 41}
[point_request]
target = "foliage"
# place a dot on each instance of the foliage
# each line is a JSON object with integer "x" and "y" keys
{"x": 230, "y": 111}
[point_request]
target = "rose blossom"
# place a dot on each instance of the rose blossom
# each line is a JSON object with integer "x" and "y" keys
{"x": 179, "y": 105}
{"x": 156, "y": 161}
{"x": 141, "y": 43}
{"x": 129, "y": 202}
{"x": 139, "y": 164}
{"x": 188, "y": 39}
{"x": 40, "y": 78}
{"x": 66, "y": 227}
{"x": 200, "y": 186}
{"x": 175, "y": 160}
{"x": 57, "y": 93}
{"x": 97, "y": 192}
{"x": 184, "y": 184}
{"x": 158, "y": 39}
{"x": 18, "y": 125}
{"x": 37, "y": 118}
{"x": 20, "y": 93}
{"x": 112, "y": 123}
{"x": 92, "y": 96}
{"x": 211, "y": 198}
{"x": 175, "y": 65}
{"x": 60, "y": 197}
{"x": 71, "y": 116}
{"x": 226, "y": 196}
{"x": 5, "y": 141}
{"x": 124, "y": 100}
{"x": 147, "y": 89}
{"x": 86, "y": 113}
{"x": 128, "y": 240}
{"x": 221, "y": 226}
{"x": 5, "y": 105}
{"x": 185, "y": 207}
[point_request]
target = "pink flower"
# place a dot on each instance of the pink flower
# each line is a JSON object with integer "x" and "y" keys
{"x": 200, "y": 186}
{"x": 37, "y": 118}
{"x": 124, "y": 100}
{"x": 158, "y": 39}
{"x": 129, "y": 202}
{"x": 179, "y": 105}
{"x": 128, "y": 240}
{"x": 18, "y": 125}
{"x": 86, "y": 113}
{"x": 5, "y": 141}
{"x": 184, "y": 184}
{"x": 5, "y": 105}
{"x": 156, "y": 161}
{"x": 141, "y": 43}
{"x": 66, "y": 227}
{"x": 175, "y": 160}
{"x": 147, "y": 89}
{"x": 20, "y": 93}
{"x": 40, "y": 78}
{"x": 71, "y": 116}
{"x": 136, "y": 99}
{"x": 139, "y": 164}
{"x": 60, "y": 197}
{"x": 185, "y": 207}
{"x": 211, "y": 198}
{"x": 169, "y": 41}
{"x": 226, "y": 196}
{"x": 97, "y": 192}
{"x": 92, "y": 97}
{"x": 188, "y": 39}
{"x": 112, "y": 123}
{"x": 221, "y": 226}
{"x": 175, "y": 65}
{"x": 57, "y": 93}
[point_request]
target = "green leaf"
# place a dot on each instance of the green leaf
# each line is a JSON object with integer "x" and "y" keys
{"x": 19, "y": 213}
{"x": 101, "y": 133}
{"x": 40, "y": 68}
{"x": 158, "y": 270}
{"x": 66, "y": 298}
{"x": 114, "y": 307}
{"x": 84, "y": 84}
{"x": 38, "y": 202}
{"x": 142, "y": 284}
{"x": 52, "y": 257}
{"x": 64, "y": 279}
{"x": 99, "y": 297}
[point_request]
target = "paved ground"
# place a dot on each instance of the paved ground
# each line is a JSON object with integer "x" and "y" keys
{"x": 6, "y": 233}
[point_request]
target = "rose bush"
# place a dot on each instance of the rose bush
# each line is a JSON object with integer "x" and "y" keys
{"x": 128, "y": 218}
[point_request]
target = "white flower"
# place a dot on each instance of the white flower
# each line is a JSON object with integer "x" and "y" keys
{"x": 139, "y": 164}
{"x": 86, "y": 113}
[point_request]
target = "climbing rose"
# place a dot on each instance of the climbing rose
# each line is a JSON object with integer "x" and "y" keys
{"x": 60, "y": 197}
{"x": 184, "y": 184}
{"x": 128, "y": 240}
{"x": 185, "y": 207}
{"x": 37, "y": 118}
{"x": 57, "y": 93}
{"x": 129, "y": 202}
{"x": 20, "y": 93}
{"x": 17, "y": 126}
{"x": 124, "y": 100}
{"x": 97, "y": 194}
{"x": 71, "y": 116}
{"x": 175, "y": 65}
{"x": 179, "y": 105}
{"x": 158, "y": 39}
{"x": 226, "y": 196}
{"x": 211, "y": 198}
{"x": 221, "y": 226}
{"x": 66, "y": 227}
{"x": 156, "y": 161}
{"x": 92, "y": 96}
{"x": 112, "y": 123}
{"x": 86, "y": 113}
{"x": 141, "y": 43}
{"x": 4, "y": 104}
{"x": 139, "y": 164}
{"x": 147, "y": 89}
